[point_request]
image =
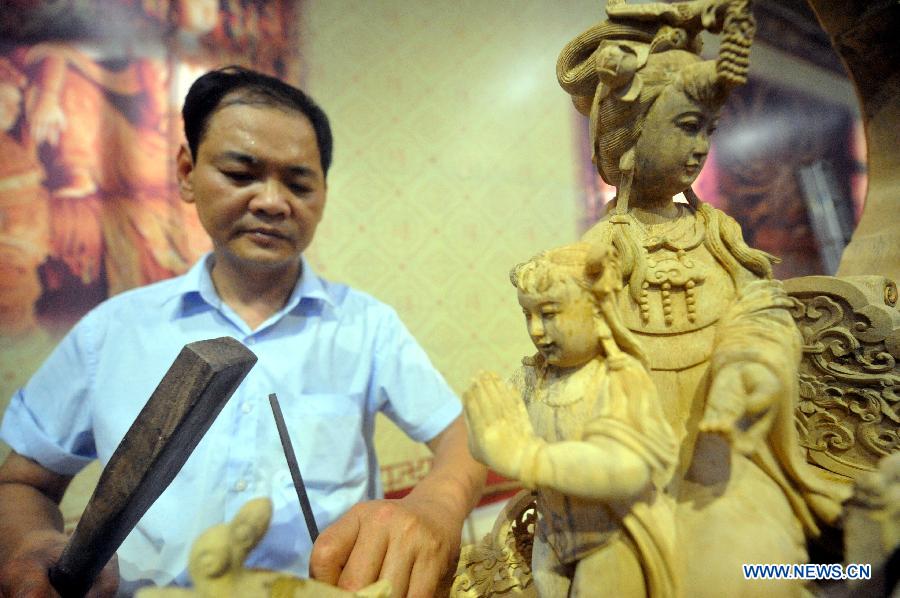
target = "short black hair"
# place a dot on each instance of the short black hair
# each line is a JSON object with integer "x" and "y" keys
{"x": 206, "y": 94}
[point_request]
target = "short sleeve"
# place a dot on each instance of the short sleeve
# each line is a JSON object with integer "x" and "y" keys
{"x": 49, "y": 419}
{"x": 406, "y": 387}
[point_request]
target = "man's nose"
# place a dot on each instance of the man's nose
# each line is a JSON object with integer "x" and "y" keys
{"x": 271, "y": 199}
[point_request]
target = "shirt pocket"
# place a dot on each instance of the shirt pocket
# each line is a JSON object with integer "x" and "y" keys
{"x": 326, "y": 431}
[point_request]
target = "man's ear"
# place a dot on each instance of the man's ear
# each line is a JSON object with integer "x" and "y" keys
{"x": 184, "y": 169}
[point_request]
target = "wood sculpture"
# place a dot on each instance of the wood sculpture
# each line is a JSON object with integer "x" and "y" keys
{"x": 722, "y": 345}
{"x": 584, "y": 428}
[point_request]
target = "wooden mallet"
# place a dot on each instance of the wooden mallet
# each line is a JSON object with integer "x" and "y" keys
{"x": 180, "y": 411}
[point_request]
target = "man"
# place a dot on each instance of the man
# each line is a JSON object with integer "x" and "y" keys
{"x": 255, "y": 168}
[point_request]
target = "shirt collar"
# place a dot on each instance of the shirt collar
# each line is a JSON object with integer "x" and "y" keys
{"x": 197, "y": 285}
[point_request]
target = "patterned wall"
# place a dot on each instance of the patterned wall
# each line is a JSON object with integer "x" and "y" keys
{"x": 455, "y": 159}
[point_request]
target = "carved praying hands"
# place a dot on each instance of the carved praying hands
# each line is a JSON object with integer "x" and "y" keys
{"x": 500, "y": 432}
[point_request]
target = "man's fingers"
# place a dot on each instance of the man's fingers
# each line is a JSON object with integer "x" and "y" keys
{"x": 424, "y": 578}
{"x": 397, "y": 567}
{"x": 33, "y": 584}
{"x": 107, "y": 583}
{"x": 368, "y": 554}
{"x": 333, "y": 548}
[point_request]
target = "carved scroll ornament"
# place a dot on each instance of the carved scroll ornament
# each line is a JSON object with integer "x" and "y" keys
{"x": 499, "y": 565}
{"x": 849, "y": 410}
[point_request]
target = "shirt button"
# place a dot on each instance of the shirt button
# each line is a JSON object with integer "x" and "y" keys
{"x": 240, "y": 486}
{"x": 247, "y": 407}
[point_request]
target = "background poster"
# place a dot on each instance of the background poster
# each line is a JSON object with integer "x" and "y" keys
{"x": 90, "y": 94}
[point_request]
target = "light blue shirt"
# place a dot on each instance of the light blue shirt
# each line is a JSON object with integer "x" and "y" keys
{"x": 334, "y": 356}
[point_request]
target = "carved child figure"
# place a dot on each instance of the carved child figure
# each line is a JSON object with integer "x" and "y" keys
{"x": 583, "y": 427}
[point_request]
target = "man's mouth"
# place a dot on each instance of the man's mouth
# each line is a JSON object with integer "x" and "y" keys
{"x": 263, "y": 232}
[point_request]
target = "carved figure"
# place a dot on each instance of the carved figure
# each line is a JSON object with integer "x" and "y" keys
{"x": 723, "y": 348}
{"x": 722, "y": 345}
{"x": 583, "y": 427}
{"x": 216, "y": 565}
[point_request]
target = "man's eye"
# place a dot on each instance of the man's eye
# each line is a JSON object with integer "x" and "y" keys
{"x": 239, "y": 177}
{"x": 548, "y": 315}
{"x": 298, "y": 189}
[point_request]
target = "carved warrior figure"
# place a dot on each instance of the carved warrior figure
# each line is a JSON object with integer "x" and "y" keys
{"x": 584, "y": 428}
{"x": 722, "y": 345}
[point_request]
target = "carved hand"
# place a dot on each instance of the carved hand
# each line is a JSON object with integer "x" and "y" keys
{"x": 738, "y": 400}
{"x": 499, "y": 428}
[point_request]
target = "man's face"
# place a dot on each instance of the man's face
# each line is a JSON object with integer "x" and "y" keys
{"x": 561, "y": 324}
{"x": 673, "y": 144}
{"x": 258, "y": 184}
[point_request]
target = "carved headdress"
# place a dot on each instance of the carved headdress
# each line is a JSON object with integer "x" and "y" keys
{"x": 616, "y": 69}
{"x": 594, "y": 268}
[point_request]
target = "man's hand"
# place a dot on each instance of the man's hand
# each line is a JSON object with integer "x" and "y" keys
{"x": 25, "y": 573}
{"x": 499, "y": 427}
{"x": 412, "y": 542}
{"x": 31, "y": 537}
{"x": 740, "y": 397}
{"x": 408, "y": 544}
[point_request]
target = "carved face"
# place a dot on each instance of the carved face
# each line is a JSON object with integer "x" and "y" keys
{"x": 561, "y": 323}
{"x": 673, "y": 145}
